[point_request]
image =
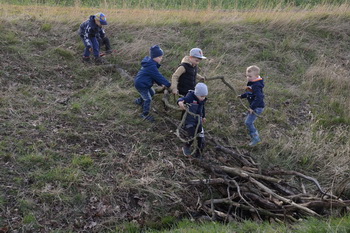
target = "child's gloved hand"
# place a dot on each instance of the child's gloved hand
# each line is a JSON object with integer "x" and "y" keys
{"x": 90, "y": 49}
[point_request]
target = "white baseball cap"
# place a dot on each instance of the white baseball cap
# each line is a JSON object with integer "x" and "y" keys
{"x": 197, "y": 52}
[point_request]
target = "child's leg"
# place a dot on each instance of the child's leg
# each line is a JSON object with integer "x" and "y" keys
{"x": 106, "y": 43}
{"x": 200, "y": 142}
{"x": 249, "y": 122}
{"x": 253, "y": 132}
{"x": 146, "y": 95}
{"x": 190, "y": 131}
{"x": 95, "y": 46}
{"x": 86, "y": 50}
{"x": 100, "y": 42}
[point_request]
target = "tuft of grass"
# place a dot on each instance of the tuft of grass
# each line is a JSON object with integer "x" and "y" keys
{"x": 166, "y": 222}
{"x": 128, "y": 227}
{"x": 29, "y": 219}
{"x": 46, "y": 27}
{"x": 83, "y": 161}
{"x": 64, "y": 53}
{"x": 35, "y": 160}
{"x": 63, "y": 175}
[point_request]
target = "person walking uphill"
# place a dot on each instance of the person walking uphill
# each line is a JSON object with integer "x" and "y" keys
{"x": 196, "y": 104}
{"x": 146, "y": 77}
{"x": 91, "y": 32}
{"x": 186, "y": 75}
{"x": 255, "y": 97}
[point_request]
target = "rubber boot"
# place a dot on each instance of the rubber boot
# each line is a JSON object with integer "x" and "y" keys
{"x": 186, "y": 150}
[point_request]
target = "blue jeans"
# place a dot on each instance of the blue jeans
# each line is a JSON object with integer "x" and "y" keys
{"x": 249, "y": 121}
{"x": 145, "y": 99}
{"x": 95, "y": 46}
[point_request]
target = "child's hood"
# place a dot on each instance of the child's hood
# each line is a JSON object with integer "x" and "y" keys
{"x": 92, "y": 21}
{"x": 186, "y": 59}
{"x": 258, "y": 82}
{"x": 148, "y": 61}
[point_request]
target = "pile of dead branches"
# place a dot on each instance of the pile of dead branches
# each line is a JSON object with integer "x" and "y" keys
{"x": 242, "y": 190}
{"x": 239, "y": 189}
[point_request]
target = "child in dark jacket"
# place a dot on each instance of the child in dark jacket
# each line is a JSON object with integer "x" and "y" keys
{"x": 146, "y": 77}
{"x": 255, "y": 97}
{"x": 195, "y": 100}
{"x": 186, "y": 75}
{"x": 92, "y": 34}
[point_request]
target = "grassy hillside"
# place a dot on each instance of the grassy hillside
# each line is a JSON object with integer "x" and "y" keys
{"x": 76, "y": 156}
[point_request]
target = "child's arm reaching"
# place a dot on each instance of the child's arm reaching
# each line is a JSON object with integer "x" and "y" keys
{"x": 200, "y": 77}
{"x": 182, "y": 105}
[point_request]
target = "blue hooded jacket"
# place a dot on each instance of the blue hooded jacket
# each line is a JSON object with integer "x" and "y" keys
{"x": 149, "y": 74}
{"x": 255, "y": 96}
{"x": 90, "y": 29}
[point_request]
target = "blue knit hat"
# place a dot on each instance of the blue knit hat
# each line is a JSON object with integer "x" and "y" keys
{"x": 156, "y": 51}
{"x": 201, "y": 89}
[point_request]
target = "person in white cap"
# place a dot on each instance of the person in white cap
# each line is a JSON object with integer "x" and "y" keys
{"x": 195, "y": 100}
{"x": 186, "y": 75}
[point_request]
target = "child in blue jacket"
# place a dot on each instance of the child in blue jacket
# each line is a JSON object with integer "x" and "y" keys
{"x": 255, "y": 97}
{"x": 146, "y": 77}
{"x": 195, "y": 100}
{"x": 92, "y": 34}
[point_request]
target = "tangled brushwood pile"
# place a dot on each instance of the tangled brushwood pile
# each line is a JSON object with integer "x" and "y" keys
{"x": 246, "y": 191}
{"x": 238, "y": 188}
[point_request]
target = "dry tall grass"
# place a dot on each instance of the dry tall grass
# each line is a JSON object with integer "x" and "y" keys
{"x": 163, "y": 17}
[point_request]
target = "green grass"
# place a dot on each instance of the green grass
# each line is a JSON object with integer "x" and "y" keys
{"x": 312, "y": 225}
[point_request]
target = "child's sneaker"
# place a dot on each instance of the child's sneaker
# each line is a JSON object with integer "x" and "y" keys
{"x": 255, "y": 141}
{"x": 186, "y": 150}
{"x": 148, "y": 118}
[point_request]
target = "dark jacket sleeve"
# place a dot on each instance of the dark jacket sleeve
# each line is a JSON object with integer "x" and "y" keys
{"x": 86, "y": 36}
{"x": 245, "y": 95}
{"x": 188, "y": 98}
{"x": 102, "y": 33}
{"x": 158, "y": 77}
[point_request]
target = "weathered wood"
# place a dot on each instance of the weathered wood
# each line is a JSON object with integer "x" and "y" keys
{"x": 208, "y": 181}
